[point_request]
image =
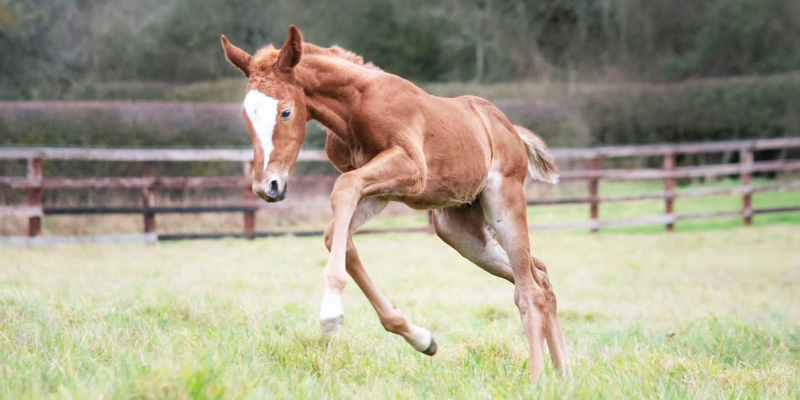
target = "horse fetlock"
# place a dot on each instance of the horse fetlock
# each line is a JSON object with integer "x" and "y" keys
{"x": 335, "y": 281}
{"x": 333, "y": 277}
{"x": 394, "y": 323}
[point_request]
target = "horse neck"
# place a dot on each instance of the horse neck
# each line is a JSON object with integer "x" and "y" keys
{"x": 331, "y": 88}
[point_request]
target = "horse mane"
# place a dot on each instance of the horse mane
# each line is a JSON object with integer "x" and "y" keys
{"x": 337, "y": 51}
{"x": 268, "y": 55}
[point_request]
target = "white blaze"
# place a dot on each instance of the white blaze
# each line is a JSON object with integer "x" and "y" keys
{"x": 262, "y": 111}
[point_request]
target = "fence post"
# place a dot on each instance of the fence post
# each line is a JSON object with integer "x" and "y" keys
{"x": 594, "y": 202}
{"x": 669, "y": 189}
{"x": 249, "y": 199}
{"x": 149, "y": 197}
{"x": 35, "y": 195}
{"x": 746, "y": 177}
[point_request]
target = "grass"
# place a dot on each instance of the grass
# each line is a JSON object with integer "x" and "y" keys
{"x": 709, "y": 314}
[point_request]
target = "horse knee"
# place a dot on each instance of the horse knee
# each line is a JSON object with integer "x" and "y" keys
{"x": 346, "y": 191}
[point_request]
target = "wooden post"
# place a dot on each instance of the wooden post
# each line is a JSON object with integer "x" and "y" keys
{"x": 594, "y": 203}
{"x": 746, "y": 177}
{"x": 35, "y": 196}
{"x": 149, "y": 198}
{"x": 249, "y": 199}
{"x": 669, "y": 189}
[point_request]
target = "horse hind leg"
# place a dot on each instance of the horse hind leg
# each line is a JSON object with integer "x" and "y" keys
{"x": 553, "y": 333}
{"x": 503, "y": 203}
{"x": 466, "y": 230}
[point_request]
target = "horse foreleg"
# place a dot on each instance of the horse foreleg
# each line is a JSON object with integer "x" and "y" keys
{"x": 390, "y": 172}
{"x": 391, "y": 318}
{"x": 366, "y": 209}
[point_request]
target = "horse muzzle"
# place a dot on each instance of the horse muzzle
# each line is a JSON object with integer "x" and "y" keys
{"x": 270, "y": 191}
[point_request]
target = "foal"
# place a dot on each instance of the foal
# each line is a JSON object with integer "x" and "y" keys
{"x": 392, "y": 141}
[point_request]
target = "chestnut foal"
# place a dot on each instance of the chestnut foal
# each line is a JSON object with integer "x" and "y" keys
{"x": 459, "y": 157}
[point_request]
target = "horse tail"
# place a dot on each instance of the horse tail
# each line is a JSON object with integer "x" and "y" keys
{"x": 541, "y": 165}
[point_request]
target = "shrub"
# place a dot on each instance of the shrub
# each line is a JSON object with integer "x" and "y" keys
{"x": 713, "y": 109}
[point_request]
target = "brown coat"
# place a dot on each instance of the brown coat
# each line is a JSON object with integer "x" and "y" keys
{"x": 393, "y": 141}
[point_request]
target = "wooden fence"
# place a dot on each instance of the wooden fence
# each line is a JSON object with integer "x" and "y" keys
{"x": 35, "y": 183}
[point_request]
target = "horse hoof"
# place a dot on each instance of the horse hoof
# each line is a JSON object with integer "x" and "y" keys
{"x": 431, "y": 350}
{"x": 332, "y": 325}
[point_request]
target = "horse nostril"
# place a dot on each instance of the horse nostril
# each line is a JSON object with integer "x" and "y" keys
{"x": 273, "y": 189}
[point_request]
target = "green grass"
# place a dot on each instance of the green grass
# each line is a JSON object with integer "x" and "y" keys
{"x": 709, "y": 314}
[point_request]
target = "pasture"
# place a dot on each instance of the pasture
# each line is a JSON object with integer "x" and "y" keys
{"x": 706, "y": 314}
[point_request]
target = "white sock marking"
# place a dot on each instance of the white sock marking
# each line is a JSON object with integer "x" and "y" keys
{"x": 420, "y": 338}
{"x": 331, "y": 306}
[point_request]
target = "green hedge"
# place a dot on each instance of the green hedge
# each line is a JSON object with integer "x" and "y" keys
{"x": 701, "y": 110}
{"x": 718, "y": 109}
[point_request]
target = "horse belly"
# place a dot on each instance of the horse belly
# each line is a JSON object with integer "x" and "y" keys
{"x": 424, "y": 202}
{"x": 458, "y": 161}
{"x": 457, "y": 171}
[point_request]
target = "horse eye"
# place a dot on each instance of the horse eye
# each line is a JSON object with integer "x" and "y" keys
{"x": 286, "y": 113}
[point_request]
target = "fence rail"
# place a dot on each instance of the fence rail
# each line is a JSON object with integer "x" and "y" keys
{"x": 35, "y": 183}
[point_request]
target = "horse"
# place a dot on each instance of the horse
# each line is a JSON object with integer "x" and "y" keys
{"x": 459, "y": 157}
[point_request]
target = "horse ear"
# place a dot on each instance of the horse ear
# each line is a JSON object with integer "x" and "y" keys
{"x": 291, "y": 51}
{"x": 237, "y": 57}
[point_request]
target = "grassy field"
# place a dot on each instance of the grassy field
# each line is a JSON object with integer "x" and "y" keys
{"x": 709, "y": 314}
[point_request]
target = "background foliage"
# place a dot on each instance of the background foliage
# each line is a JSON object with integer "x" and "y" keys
{"x": 49, "y": 46}
{"x": 579, "y": 72}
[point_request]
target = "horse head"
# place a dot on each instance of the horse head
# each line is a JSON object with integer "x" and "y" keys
{"x": 274, "y": 110}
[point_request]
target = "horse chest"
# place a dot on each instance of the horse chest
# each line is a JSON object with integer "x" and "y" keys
{"x": 358, "y": 158}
